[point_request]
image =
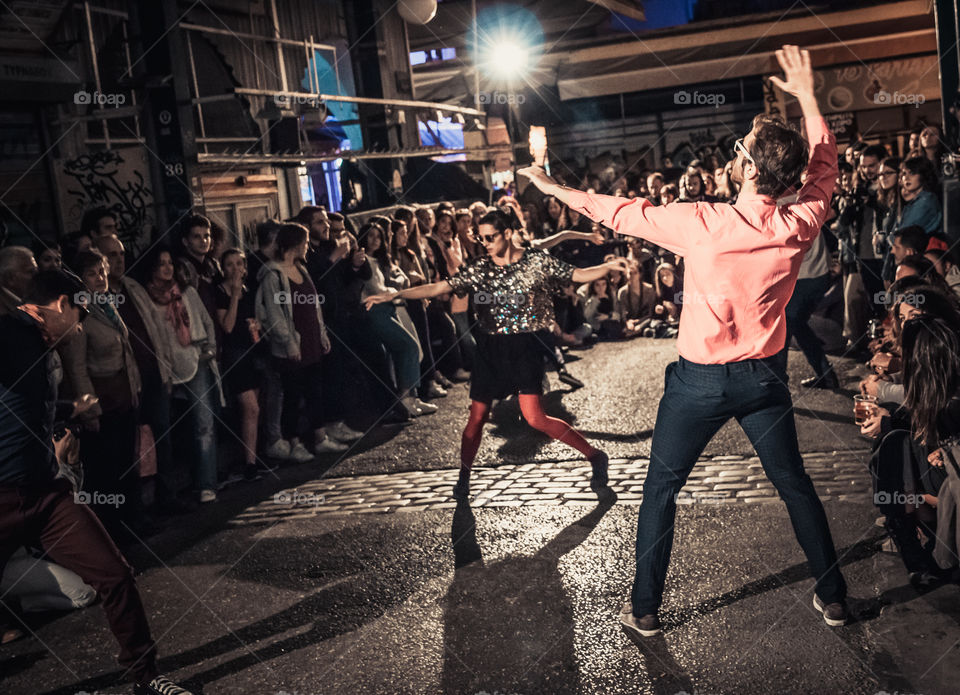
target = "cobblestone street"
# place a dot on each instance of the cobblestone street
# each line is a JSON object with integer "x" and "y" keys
{"x": 726, "y": 479}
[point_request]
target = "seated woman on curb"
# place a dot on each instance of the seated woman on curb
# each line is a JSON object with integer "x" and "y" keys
{"x": 906, "y": 466}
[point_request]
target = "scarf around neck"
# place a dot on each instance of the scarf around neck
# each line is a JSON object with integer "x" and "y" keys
{"x": 168, "y": 294}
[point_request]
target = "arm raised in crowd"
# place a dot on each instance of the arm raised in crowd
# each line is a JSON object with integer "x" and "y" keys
{"x": 813, "y": 198}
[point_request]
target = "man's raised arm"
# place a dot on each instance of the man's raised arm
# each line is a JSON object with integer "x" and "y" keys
{"x": 813, "y": 199}
{"x": 666, "y": 226}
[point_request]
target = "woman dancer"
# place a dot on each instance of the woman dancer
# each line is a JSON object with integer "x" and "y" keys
{"x": 512, "y": 290}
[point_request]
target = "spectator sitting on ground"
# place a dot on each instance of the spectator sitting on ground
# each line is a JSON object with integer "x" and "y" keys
{"x": 669, "y": 286}
{"x": 637, "y": 300}
{"x": 600, "y": 308}
{"x": 654, "y": 184}
{"x": 692, "y": 188}
{"x": 945, "y": 267}
{"x": 907, "y": 462}
{"x": 571, "y": 327}
{"x": 917, "y": 265}
{"x": 668, "y": 194}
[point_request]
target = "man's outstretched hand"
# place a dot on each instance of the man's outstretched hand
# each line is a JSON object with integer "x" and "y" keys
{"x": 796, "y": 70}
{"x": 538, "y": 177}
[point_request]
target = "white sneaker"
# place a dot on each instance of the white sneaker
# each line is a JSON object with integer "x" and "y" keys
{"x": 329, "y": 445}
{"x": 410, "y": 403}
{"x": 342, "y": 433}
{"x": 425, "y": 408}
{"x": 298, "y": 452}
{"x": 207, "y": 496}
{"x": 280, "y": 449}
{"x": 434, "y": 390}
{"x": 161, "y": 685}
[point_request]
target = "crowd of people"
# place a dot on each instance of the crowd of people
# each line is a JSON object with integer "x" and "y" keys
{"x": 271, "y": 345}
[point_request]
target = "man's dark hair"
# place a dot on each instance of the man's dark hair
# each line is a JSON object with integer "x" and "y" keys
{"x": 90, "y": 223}
{"x": 305, "y": 216}
{"x": 844, "y": 168}
{"x": 335, "y": 217}
{"x": 267, "y": 232}
{"x": 914, "y": 238}
{"x": 191, "y": 222}
{"x": 878, "y": 151}
{"x": 780, "y": 153}
{"x": 49, "y": 285}
{"x": 921, "y": 264}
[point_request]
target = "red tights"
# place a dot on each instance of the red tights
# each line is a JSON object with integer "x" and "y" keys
{"x": 532, "y": 410}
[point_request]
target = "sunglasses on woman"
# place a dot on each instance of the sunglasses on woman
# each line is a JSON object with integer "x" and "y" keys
{"x": 487, "y": 238}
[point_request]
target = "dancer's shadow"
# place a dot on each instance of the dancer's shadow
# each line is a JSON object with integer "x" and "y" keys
{"x": 508, "y": 626}
{"x": 666, "y": 676}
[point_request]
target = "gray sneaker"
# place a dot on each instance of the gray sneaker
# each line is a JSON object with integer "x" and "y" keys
{"x": 834, "y": 614}
{"x": 647, "y": 626}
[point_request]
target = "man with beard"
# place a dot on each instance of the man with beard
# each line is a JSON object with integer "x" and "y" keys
{"x": 741, "y": 265}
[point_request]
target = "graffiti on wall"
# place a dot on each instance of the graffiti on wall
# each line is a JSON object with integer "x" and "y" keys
{"x": 706, "y": 144}
{"x": 114, "y": 179}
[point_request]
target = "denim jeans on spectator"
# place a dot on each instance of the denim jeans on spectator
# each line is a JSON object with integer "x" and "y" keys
{"x": 418, "y": 314}
{"x": 401, "y": 346}
{"x": 468, "y": 346}
{"x": 698, "y": 399}
{"x": 201, "y": 395}
{"x": 806, "y": 297}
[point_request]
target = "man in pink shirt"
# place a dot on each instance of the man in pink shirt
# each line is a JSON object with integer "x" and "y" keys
{"x": 740, "y": 266}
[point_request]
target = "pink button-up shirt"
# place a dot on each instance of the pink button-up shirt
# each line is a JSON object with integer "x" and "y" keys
{"x": 740, "y": 261}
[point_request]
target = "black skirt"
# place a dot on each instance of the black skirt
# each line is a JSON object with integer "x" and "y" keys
{"x": 506, "y": 365}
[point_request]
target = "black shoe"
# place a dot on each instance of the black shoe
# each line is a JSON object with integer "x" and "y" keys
{"x": 647, "y": 626}
{"x": 569, "y": 379}
{"x": 461, "y": 490}
{"x": 251, "y": 474}
{"x": 927, "y": 580}
{"x": 161, "y": 685}
{"x": 599, "y": 462}
{"x": 834, "y": 614}
{"x": 827, "y": 381}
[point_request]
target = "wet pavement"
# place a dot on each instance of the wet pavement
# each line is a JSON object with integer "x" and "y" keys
{"x": 379, "y": 583}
